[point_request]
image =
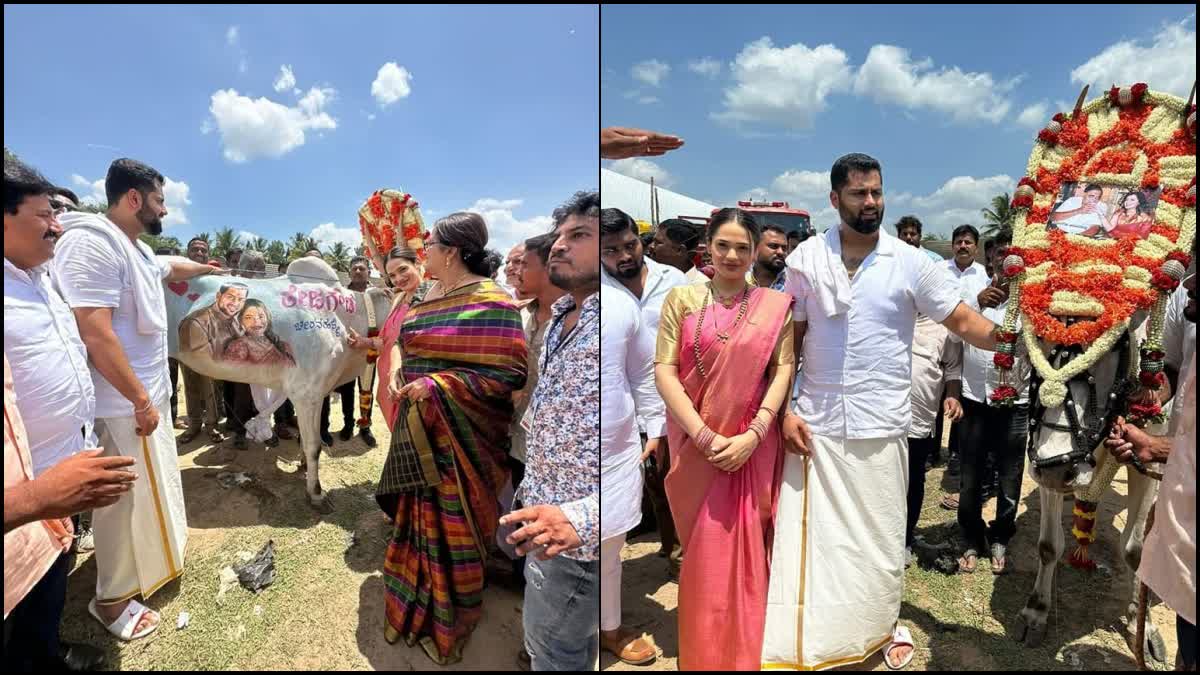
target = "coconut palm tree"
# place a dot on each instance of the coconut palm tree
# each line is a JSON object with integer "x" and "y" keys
{"x": 226, "y": 241}
{"x": 339, "y": 257}
{"x": 999, "y": 218}
{"x": 276, "y": 252}
{"x": 259, "y": 244}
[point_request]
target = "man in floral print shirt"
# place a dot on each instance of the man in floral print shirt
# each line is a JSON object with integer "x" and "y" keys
{"x": 560, "y": 518}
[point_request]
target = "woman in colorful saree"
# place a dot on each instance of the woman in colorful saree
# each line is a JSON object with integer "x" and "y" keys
{"x": 723, "y": 366}
{"x": 463, "y": 356}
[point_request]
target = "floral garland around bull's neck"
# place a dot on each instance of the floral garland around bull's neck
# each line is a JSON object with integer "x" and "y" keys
{"x": 1079, "y": 291}
{"x": 391, "y": 218}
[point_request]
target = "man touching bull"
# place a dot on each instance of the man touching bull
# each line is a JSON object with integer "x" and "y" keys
{"x": 113, "y": 284}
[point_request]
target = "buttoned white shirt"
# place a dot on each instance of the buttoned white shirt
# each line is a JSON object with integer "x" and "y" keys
{"x": 49, "y": 366}
{"x": 937, "y": 361}
{"x": 970, "y": 281}
{"x": 979, "y": 374}
{"x": 857, "y": 372}
{"x": 622, "y": 355}
{"x": 660, "y": 279}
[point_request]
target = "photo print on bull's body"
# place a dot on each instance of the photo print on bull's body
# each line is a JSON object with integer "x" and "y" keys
{"x": 1102, "y": 211}
{"x": 236, "y": 328}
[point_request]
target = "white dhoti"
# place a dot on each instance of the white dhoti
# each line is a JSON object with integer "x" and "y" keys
{"x": 140, "y": 540}
{"x": 837, "y": 567}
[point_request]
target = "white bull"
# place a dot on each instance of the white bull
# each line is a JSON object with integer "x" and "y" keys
{"x": 308, "y": 312}
{"x": 1066, "y": 457}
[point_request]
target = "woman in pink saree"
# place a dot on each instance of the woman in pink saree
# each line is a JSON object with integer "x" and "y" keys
{"x": 723, "y": 366}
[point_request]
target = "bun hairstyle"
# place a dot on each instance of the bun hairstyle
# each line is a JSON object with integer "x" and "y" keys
{"x": 468, "y": 233}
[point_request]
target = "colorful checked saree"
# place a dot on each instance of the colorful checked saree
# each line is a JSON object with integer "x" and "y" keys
{"x": 447, "y": 462}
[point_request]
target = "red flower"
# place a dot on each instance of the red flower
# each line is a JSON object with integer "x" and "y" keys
{"x": 1144, "y": 410}
{"x": 1154, "y": 355}
{"x": 1003, "y": 394}
{"x": 1013, "y": 270}
{"x": 1139, "y": 90}
{"x": 1005, "y": 336}
{"x": 1152, "y": 380}
{"x": 1004, "y": 361}
{"x": 1183, "y": 258}
{"x": 411, "y": 232}
{"x": 1163, "y": 281}
{"x": 1048, "y": 137}
{"x": 1022, "y": 202}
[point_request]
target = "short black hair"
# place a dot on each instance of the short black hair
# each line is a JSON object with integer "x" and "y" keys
{"x": 682, "y": 232}
{"x": 164, "y": 250}
{"x": 21, "y": 181}
{"x": 196, "y": 239}
{"x": 795, "y": 234}
{"x": 359, "y": 258}
{"x": 772, "y": 227}
{"x": 998, "y": 240}
{"x": 129, "y": 174}
{"x": 1094, "y": 186}
{"x": 233, "y": 284}
{"x": 908, "y": 222}
{"x": 583, "y": 204}
{"x": 68, "y": 193}
{"x": 540, "y": 246}
{"x": 965, "y": 229}
{"x": 737, "y": 216}
{"x": 615, "y": 221}
{"x": 839, "y": 175}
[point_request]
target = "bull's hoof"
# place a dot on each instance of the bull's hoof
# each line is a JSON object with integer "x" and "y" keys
{"x": 1031, "y": 628}
{"x": 323, "y": 505}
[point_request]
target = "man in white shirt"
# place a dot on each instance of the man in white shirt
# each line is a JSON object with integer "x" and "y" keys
{"x": 858, "y": 292}
{"x": 1168, "y": 565}
{"x": 972, "y": 278}
{"x": 113, "y": 283}
{"x": 647, "y": 282}
{"x": 512, "y": 274}
{"x": 622, "y": 392}
{"x": 1080, "y": 211}
{"x": 47, "y": 363}
{"x": 991, "y": 430}
{"x": 1179, "y": 334}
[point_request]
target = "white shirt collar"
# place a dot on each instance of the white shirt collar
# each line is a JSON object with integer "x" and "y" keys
{"x": 885, "y": 246}
{"x": 31, "y": 276}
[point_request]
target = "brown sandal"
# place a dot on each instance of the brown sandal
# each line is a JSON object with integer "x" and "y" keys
{"x": 630, "y": 648}
{"x": 950, "y": 502}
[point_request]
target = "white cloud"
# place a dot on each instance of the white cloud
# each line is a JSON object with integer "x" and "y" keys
{"x": 176, "y": 194}
{"x": 391, "y": 84}
{"x": 1163, "y": 63}
{"x": 286, "y": 79}
{"x": 253, "y": 128}
{"x": 808, "y": 190}
{"x": 206, "y": 127}
{"x": 328, "y": 234}
{"x": 889, "y": 75}
{"x": 505, "y": 229}
{"x": 651, "y": 72}
{"x": 246, "y": 236}
{"x": 786, "y": 86}
{"x": 370, "y": 117}
{"x": 643, "y": 170}
{"x": 96, "y": 186}
{"x": 1035, "y": 116}
{"x": 231, "y": 36}
{"x": 233, "y": 39}
{"x": 706, "y": 66}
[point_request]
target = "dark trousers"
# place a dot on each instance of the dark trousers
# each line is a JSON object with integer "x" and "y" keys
{"x": 31, "y": 629}
{"x": 918, "y": 450}
{"x": 1001, "y": 431}
{"x": 347, "y": 393}
{"x": 173, "y": 369}
{"x": 655, "y": 486}
{"x": 243, "y": 407}
{"x": 1186, "y": 633}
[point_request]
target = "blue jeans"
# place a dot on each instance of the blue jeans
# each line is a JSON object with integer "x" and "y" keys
{"x": 562, "y": 613}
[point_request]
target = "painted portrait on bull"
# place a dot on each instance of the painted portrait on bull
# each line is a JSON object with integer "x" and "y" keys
{"x": 1105, "y": 220}
{"x": 287, "y": 337}
{"x": 457, "y": 357}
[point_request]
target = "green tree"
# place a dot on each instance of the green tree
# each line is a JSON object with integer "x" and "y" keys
{"x": 225, "y": 242}
{"x": 339, "y": 257}
{"x": 9, "y": 155}
{"x": 259, "y": 244}
{"x": 999, "y": 218}
{"x": 92, "y": 207}
{"x": 276, "y": 252}
{"x": 933, "y": 236}
{"x": 156, "y": 242}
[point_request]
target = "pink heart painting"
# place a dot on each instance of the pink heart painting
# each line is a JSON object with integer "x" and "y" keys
{"x": 194, "y": 297}
{"x": 178, "y": 287}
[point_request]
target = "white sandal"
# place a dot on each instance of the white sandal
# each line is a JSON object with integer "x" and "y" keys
{"x": 122, "y": 627}
{"x": 901, "y": 637}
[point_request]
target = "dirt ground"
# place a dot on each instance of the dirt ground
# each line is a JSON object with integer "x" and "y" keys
{"x": 963, "y": 622}
{"x": 325, "y": 609}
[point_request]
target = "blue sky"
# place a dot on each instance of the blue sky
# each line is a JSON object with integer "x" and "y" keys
{"x": 484, "y": 108}
{"x": 948, "y": 98}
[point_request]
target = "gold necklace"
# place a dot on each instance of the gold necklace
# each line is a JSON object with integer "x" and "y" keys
{"x": 722, "y": 337}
